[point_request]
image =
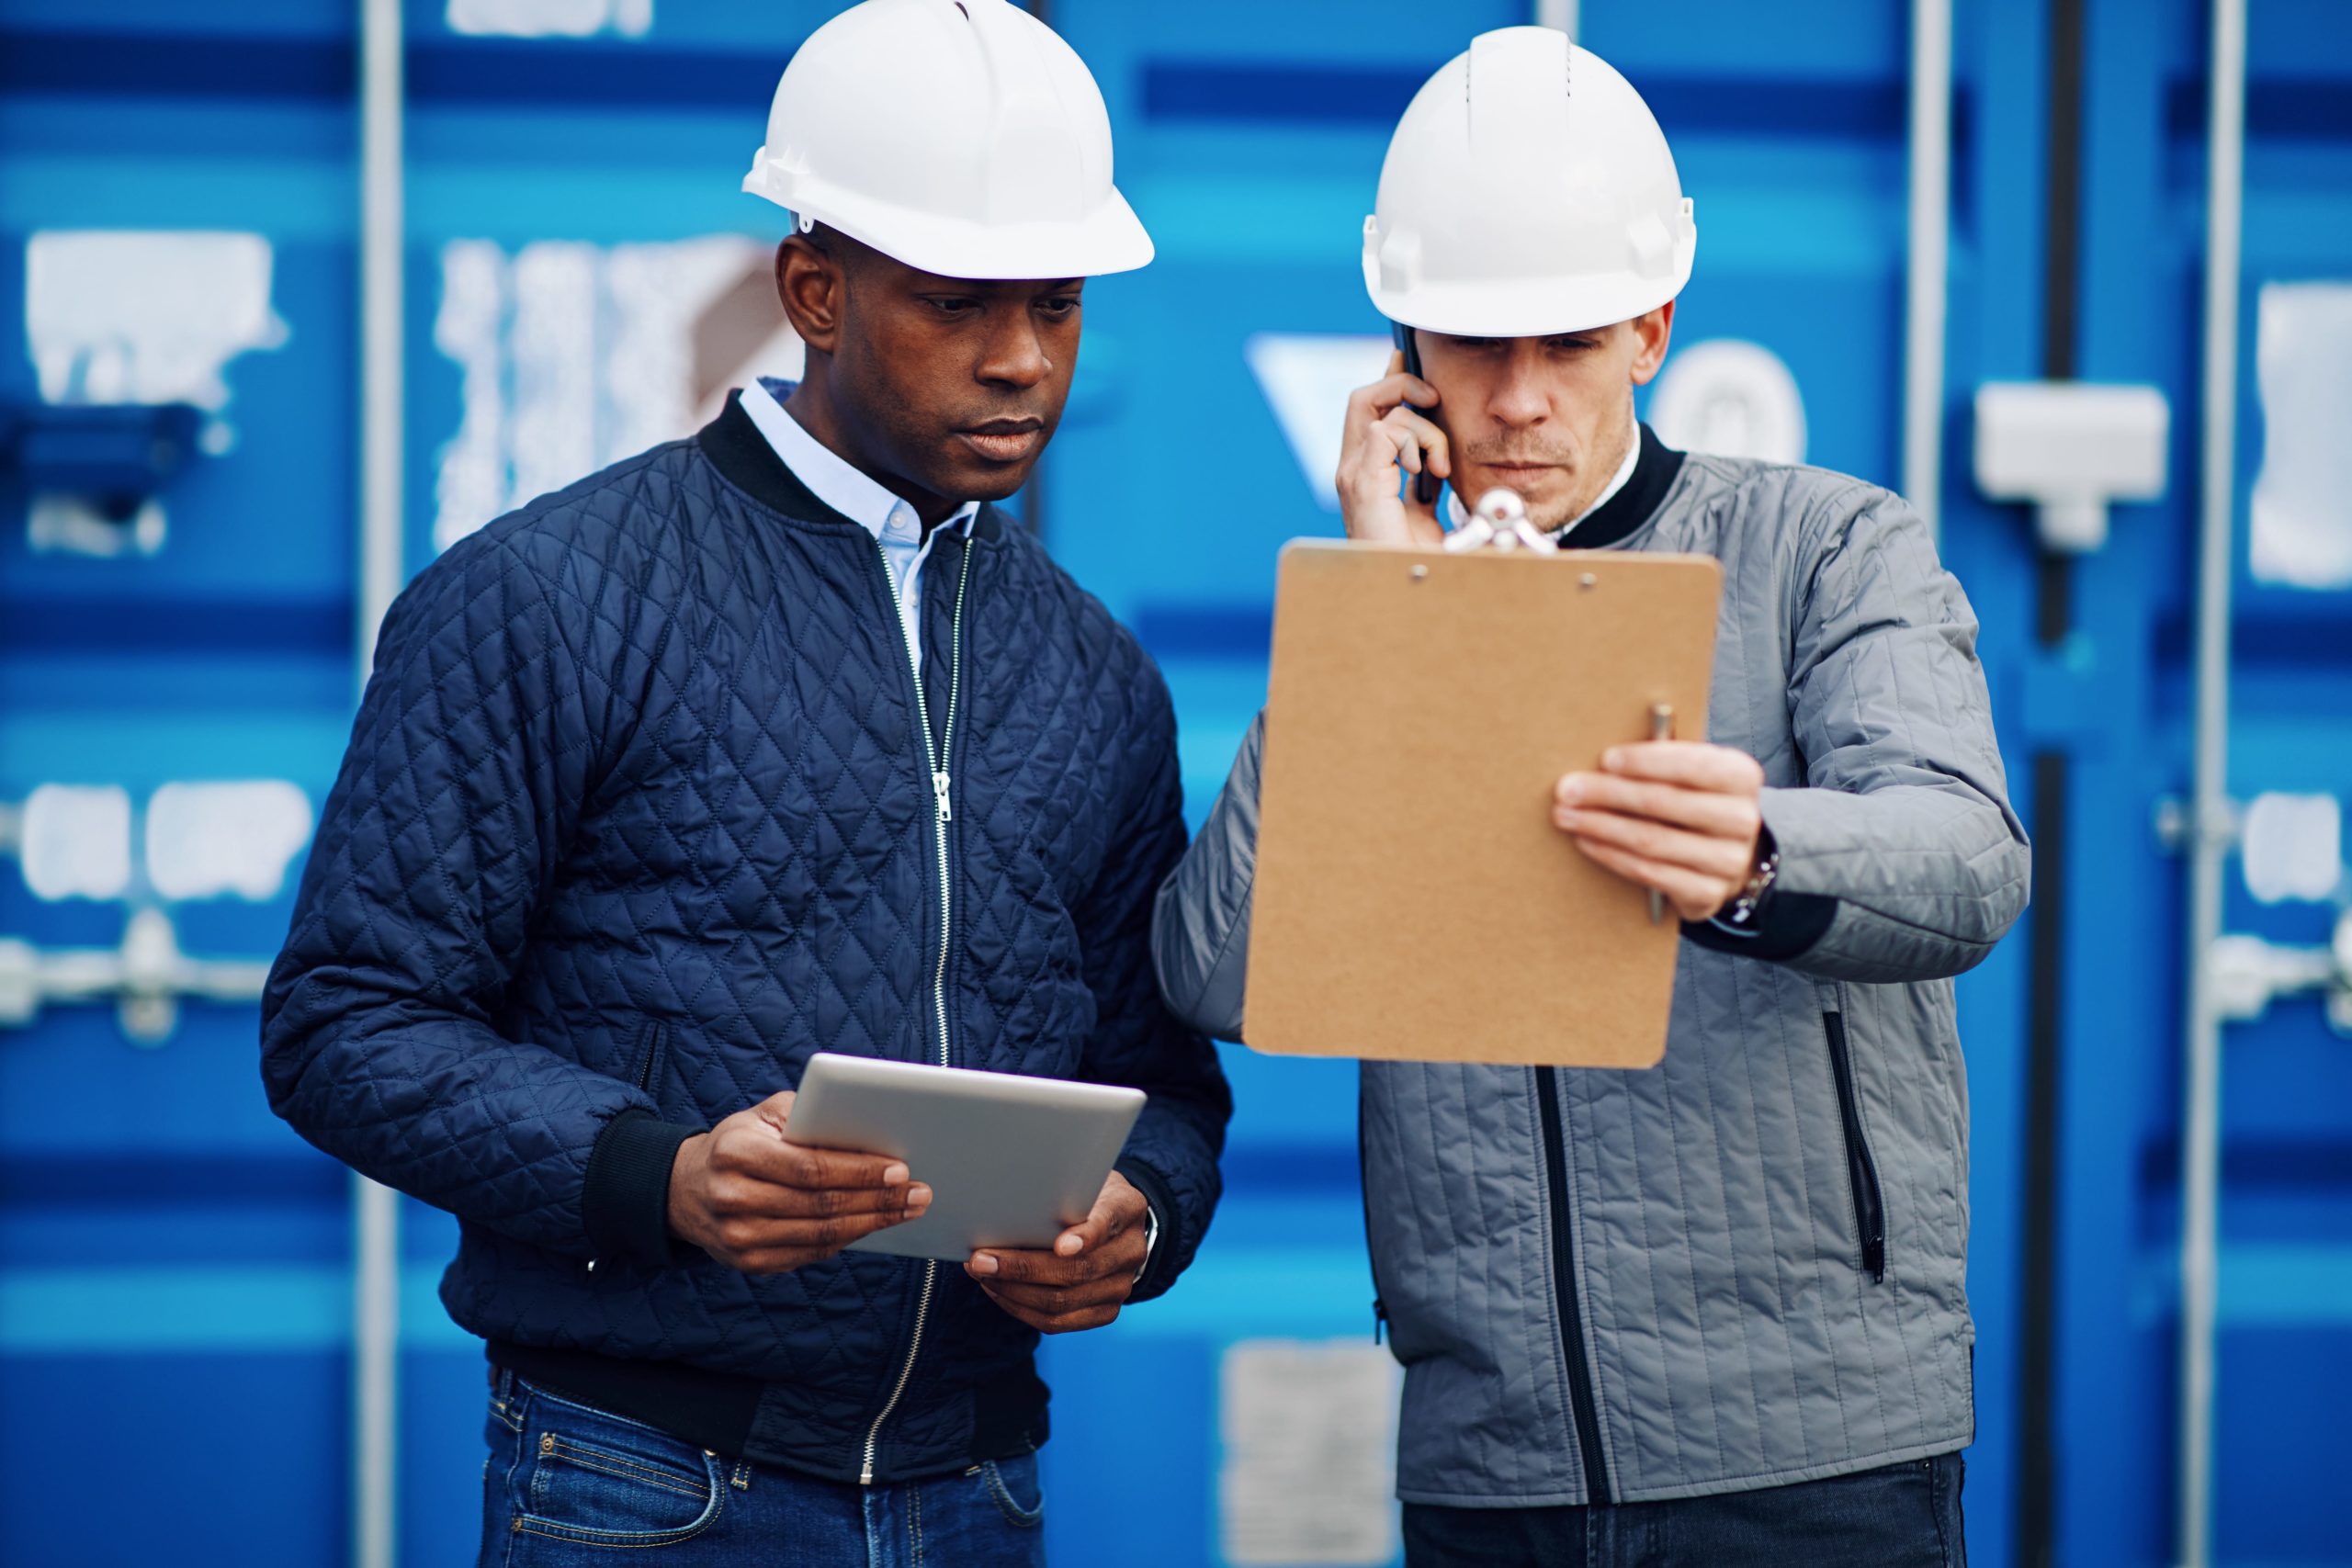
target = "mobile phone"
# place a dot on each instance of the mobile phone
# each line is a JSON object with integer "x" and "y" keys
{"x": 1425, "y": 483}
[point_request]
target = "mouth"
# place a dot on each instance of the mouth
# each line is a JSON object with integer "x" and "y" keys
{"x": 1004, "y": 440}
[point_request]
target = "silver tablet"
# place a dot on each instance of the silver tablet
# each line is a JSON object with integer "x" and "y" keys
{"x": 1011, "y": 1161}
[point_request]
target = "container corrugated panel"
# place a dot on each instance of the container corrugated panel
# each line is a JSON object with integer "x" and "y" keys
{"x": 583, "y": 277}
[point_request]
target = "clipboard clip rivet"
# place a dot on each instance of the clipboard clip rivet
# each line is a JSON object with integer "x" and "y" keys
{"x": 1420, "y": 574}
{"x": 1587, "y": 580}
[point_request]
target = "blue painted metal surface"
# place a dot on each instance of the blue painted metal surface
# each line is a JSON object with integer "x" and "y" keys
{"x": 172, "y": 1262}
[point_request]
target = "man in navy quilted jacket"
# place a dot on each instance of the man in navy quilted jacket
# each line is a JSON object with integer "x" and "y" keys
{"x": 774, "y": 740}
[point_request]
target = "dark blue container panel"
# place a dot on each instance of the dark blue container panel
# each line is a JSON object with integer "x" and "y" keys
{"x": 173, "y": 1263}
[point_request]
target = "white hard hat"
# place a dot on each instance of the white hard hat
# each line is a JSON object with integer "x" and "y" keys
{"x": 962, "y": 137}
{"x": 1527, "y": 191}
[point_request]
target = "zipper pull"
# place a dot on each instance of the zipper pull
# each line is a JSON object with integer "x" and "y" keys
{"x": 939, "y": 788}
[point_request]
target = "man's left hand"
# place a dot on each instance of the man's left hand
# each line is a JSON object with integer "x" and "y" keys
{"x": 1678, "y": 817}
{"x": 1085, "y": 1279}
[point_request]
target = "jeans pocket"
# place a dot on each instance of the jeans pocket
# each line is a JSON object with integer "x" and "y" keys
{"x": 1013, "y": 1486}
{"x": 600, "y": 1480}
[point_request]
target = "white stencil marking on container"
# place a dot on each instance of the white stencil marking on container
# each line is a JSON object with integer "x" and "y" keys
{"x": 2302, "y": 514}
{"x": 550, "y": 18}
{"x": 141, "y": 316}
{"x": 1309, "y": 1432}
{"x": 215, "y": 839}
{"x": 1732, "y": 397}
{"x": 74, "y": 841}
{"x": 573, "y": 356}
{"x": 2292, "y": 847}
{"x": 1306, "y": 378}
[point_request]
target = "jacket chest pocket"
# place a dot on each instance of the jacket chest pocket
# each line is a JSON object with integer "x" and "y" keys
{"x": 1862, "y": 1167}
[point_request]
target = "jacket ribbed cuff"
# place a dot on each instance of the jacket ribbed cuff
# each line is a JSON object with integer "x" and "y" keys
{"x": 625, "y": 1202}
{"x": 1160, "y": 1272}
{"x": 1785, "y": 926}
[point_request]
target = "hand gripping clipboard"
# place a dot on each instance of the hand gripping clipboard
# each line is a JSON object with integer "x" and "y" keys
{"x": 1413, "y": 900}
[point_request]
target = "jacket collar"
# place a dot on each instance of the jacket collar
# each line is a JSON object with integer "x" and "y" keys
{"x": 1636, "y": 501}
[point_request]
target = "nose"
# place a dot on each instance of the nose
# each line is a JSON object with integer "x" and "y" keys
{"x": 1015, "y": 355}
{"x": 1520, "y": 397}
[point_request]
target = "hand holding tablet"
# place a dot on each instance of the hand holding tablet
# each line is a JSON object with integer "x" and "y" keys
{"x": 1015, "y": 1182}
{"x": 755, "y": 1199}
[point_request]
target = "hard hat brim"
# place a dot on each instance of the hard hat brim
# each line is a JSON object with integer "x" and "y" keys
{"x": 1534, "y": 307}
{"x": 1109, "y": 239}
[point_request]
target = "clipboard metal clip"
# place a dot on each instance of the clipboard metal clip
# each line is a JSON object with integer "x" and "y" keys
{"x": 1499, "y": 523}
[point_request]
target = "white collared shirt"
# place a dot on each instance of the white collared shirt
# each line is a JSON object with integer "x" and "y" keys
{"x": 832, "y": 480}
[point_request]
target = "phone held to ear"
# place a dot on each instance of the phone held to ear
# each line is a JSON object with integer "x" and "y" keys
{"x": 1425, "y": 483}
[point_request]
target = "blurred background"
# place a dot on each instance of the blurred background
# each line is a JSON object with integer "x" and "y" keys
{"x": 1900, "y": 205}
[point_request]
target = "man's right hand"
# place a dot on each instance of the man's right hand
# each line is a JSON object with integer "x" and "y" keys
{"x": 1385, "y": 434}
{"x": 748, "y": 1196}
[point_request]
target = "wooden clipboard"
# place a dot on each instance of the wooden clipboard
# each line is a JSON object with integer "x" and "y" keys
{"x": 1412, "y": 899}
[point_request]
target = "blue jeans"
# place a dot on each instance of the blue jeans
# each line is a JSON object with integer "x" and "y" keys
{"x": 1905, "y": 1516}
{"x": 566, "y": 1484}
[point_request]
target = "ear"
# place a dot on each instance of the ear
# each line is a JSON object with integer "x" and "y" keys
{"x": 1653, "y": 332}
{"x": 813, "y": 288}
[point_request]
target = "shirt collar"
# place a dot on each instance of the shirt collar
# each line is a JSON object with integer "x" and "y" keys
{"x": 830, "y": 477}
{"x": 1457, "y": 514}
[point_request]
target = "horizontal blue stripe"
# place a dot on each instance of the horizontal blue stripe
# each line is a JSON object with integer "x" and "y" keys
{"x": 2278, "y": 109}
{"x": 214, "y": 1307}
{"x": 2276, "y": 1166}
{"x": 181, "y": 1179}
{"x": 1206, "y": 631}
{"x": 1229, "y": 1292}
{"x": 2258, "y": 1287}
{"x": 1374, "y": 95}
{"x": 469, "y": 71}
{"x": 48, "y": 623}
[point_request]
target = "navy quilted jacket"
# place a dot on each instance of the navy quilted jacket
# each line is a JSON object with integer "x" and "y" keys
{"x": 635, "y": 819}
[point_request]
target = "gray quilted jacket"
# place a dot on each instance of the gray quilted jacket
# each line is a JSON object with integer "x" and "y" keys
{"x": 1744, "y": 1267}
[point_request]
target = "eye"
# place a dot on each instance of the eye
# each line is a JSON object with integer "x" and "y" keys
{"x": 1059, "y": 307}
{"x": 952, "y": 305}
{"x": 1571, "y": 345}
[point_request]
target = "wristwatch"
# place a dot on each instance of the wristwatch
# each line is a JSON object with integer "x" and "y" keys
{"x": 1750, "y": 896}
{"x": 1150, "y": 1239}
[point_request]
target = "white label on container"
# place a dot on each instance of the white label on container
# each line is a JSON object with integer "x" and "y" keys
{"x": 77, "y": 841}
{"x": 205, "y": 840}
{"x": 2302, "y": 514}
{"x": 1309, "y": 1432}
{"x": 2292, "y": 847}
{"x": 145, "y": 316}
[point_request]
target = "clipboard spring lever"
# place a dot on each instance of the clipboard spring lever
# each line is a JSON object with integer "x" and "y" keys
{"x": 1501, "y": 522}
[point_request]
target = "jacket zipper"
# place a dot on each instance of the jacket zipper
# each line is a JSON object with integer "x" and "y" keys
{"x": 1582, "y": 1406}
{"x": 942, "y": 813}
{"x": 1861, "y": 1170}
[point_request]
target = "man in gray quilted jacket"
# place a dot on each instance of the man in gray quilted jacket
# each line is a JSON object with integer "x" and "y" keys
{"x": 1710, "y": 1313}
